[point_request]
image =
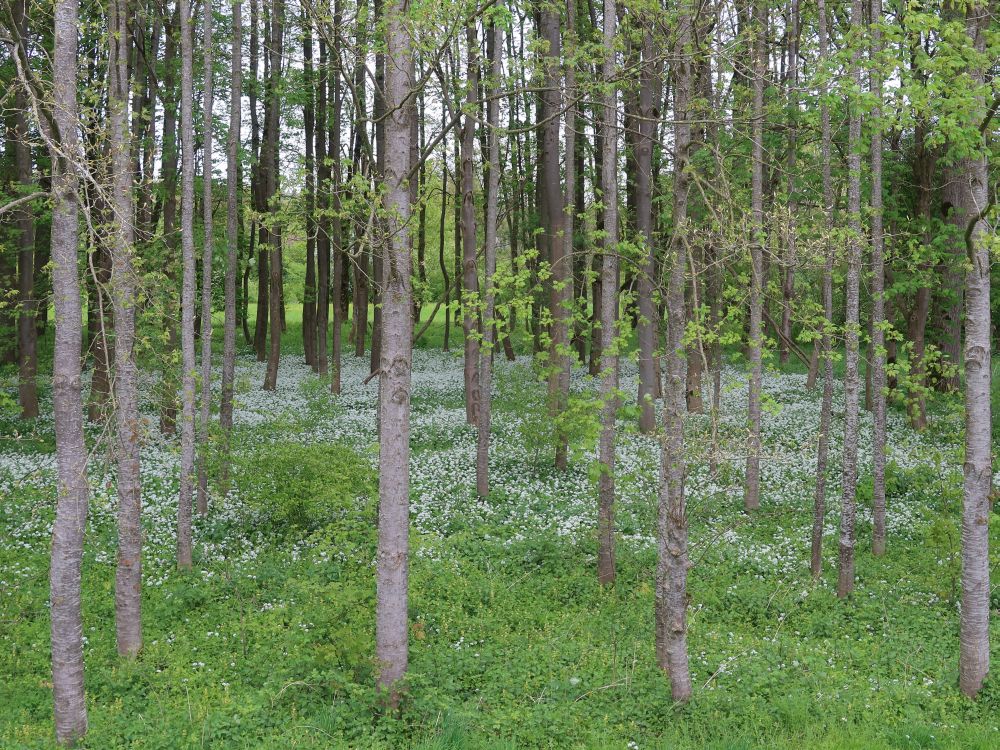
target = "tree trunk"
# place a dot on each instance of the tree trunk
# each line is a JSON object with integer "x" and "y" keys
{"x": 671, "y": 571}
{"x": 974, "y": 659}
{"x": 206, "y": 265}
{"x": 271, "y": 148}
{"x": 877, "y": 364}
{"x": 609, "y": 306}
{"x": 788, "y": 275}
{"x": 184, "y": 556}
{"x": 826, "y": 343}
{"x": 232, "y": 232}
{"x": 391, "y": 626}
{"x": 470, "y": 276}
{"x": 849, "y": 481}
{"x": 71, "y": 450}
{"x": 494, "y": 43}
{"x": 751, "y": 499}
{"x": 646, "y": 329}
{"x": 27, "y": 335}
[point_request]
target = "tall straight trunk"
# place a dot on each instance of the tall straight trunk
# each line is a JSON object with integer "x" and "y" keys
{"x": 361, "y": 266}
{"x": 877, "y": 365}
{"x": 336, "y": 224}
{"x": 271, "y": 147}
{"x": 671, "y": 572}
{"x": 826, "y": 342}
{"x": 788, "y": 274}
{"x": 391, "y": 626}
{"x": 188, "y": 365}
{"x": 232, "y": 230}
{"x": 646, "y": 328}
{"x": 206, "y": 264}
{"x": 71, "y": 451}
{"x": 260, "y": 234}
{"x": 379, "y": 111}
{"x": 609, "y": 306}
{"x": 124, "y": 279}
{"x": 470, "y": 275}
{"x": 554, "y": 218}
{"x": 494, "y": 43}
{"x": 974, "y": 658}
{"x": 441, "y": 235}
{"x": 322, "y": 221}
{"x": 27, "y": 334}
{"x": 310, "y": 302}
{"x": 168, "y": 401}
{"x": 845, "y": 582}
{"x": 751, "y": 498}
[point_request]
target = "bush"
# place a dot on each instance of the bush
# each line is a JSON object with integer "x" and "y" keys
{"x": 288, "y": 487}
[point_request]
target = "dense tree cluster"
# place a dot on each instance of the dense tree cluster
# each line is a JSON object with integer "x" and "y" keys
{"x": 639, "y": 178}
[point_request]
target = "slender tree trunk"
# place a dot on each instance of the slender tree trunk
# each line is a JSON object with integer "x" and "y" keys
{"x": 184, "y": 558}
{"x": 877, "y": 365}
{"x": 441, "y": 235}
{"x": 646, "y": 329}
{"x": 128, "y": 576}
{"x": 470, "y": 276}
{"x": 206, "y": 264}
{"x": 751, "y": 498}
{"x": 788, "y": 275}
{"x": 71, "y": 450}
{"x": 272, "y": 128}
{"x": 391, "y": 626}
{"x": 494, "y": 43}
{"x": 310, "y": 297}
{"x": 671, "y": 573}
{"x": 974, "y": 659}
{"x": 609, "y": 306}
{"x": 232, "y": 231}
{"x": 826, "y": 343}
{"x": 845, "y": 583}
{"x": 27, "y": 335}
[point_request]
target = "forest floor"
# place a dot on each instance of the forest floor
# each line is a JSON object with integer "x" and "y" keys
{"x": 269, "y": 642}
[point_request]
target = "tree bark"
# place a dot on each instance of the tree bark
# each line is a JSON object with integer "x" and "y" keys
{"x": 271, "y": 148}
{"x": 206, "y": 264}
{"x": 71, "y": 450}
{"x": 391, "y": 626}
{"x": 974, "y": 659}
{"x": 646, "y": 328}
{"x": 877, "y": 365}
{"x": 751, "y": 499}
{"x": 124, "y": 279}
{"x": 494, "y": 44}
{"x": 184, "y": 543}
{"x": 672, "y": 564}
{"x": 470, "y": 276}
{"x": 232, "y": 231}
{"x": 845, "y": 582}
{"x": 825, "y": 343}
{"x": 609, "y": 306}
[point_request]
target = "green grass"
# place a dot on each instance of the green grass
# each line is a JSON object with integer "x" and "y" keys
{"x": 269, "y": 643}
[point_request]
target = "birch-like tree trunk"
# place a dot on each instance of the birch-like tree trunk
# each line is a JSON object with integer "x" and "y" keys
{"x": 751, "y": 498}
{"x": 71, "y": 451}
{"x": 974, "y": 659}
{"x": 270, "y": 149}
{"x": 826, "y": 343}
{"x": 470, "y": 276}
{"x": 391, "y": 626}
{"x": 124, "y": 279}
{"x": 877, "y": 364}
{"x": 672, "y": 565}
{"x": 206, "y": 263}
{"x": 232, "y": 229}
{"x": 494, "y": 43}
{"x": 609, "y": 305}
{"x": 188, "y": 290}
{"x": 849, "y": 477}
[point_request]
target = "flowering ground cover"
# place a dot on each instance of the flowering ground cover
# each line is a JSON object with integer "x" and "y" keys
{"x": 269, "y": 642}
